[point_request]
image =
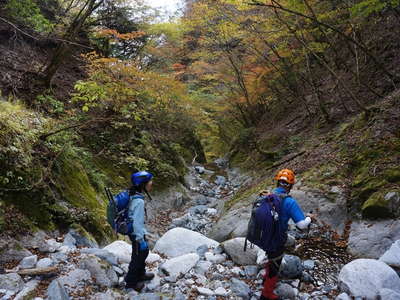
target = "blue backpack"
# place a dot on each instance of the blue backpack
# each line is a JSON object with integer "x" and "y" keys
{"x": 264, "y": 228}
{"x": 117, "y": 212}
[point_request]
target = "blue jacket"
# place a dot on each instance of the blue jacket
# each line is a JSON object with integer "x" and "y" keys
{"x": 289, "y": 210}
{"x": 136, "y": 212}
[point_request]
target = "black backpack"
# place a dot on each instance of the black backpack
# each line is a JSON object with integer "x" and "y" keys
{"x": 264, "y": 228}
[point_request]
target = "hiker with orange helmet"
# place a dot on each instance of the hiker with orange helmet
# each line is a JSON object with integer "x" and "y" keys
{"x": 289, "y": 209}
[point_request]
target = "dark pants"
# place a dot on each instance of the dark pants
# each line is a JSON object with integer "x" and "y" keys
{"x": 137, "y": 265}
{"x": 275, "y": 260}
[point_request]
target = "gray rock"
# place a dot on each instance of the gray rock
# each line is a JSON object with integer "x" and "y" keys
{"x": 202, "y": 267}
{"x": 285, "y": 291}
{"x": 109, "y": 295}
{"x": 392, "y": 256}
{"x": 102, "y": 272}
{"x": 202, "y": 200}
{"x": 309, "y": 264}
{"x": 220, "y": 180}
{"x": 234, "y": 248}
{"x": 75, "y": 279}
{"x": 332, "y": 211}
{"x": 103, "y": 254}
{"x": 234, "y": 220}
{"x": 201, "y": 250}
{"x": 372, "y": 239}
{"x": 179, "y": 241}
{"x": 56, "y": 291}
{"x": 35, "y": 241}
{"x": 45, "y": 263}
{"x": 200, "y": 169}
{"x": 12, "y": 250}
{"x": 393, "y": 202}
{"x": 179, "y": 265}
{"x": 305, "y": 277}
{"x": 69, "y": 240}
{"x": 205, "y": 291}
{"x": 28, "y": 262}
{"x": 343, "y": 296}
{"x": 220, "y": 291}
{"x": 251, "y": 271}
{"x": 366, "y": 277}
{"x": 84, "y": 241}
{"x": 120, "y": 249}
{"x": 215, "y": 258}
{"x": 50, "y": 246}
{"x": 198, "y": 209}
{"x": 291, "y": 267}
{"x": 387, "y": 294}
{"x": 28, "y": 290}
{"x": 240, "y": 289}
{"x": 12, "y": 282}
{"x": 290, "y": 242}
{"x": 147, "y": 296}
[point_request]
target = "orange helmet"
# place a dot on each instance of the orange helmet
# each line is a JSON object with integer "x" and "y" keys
{"x": 286, "y": 175}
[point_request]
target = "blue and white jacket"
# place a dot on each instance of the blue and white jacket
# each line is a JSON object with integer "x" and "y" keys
{"x": 291, "y": 210}
{"x": 136, "y": 212}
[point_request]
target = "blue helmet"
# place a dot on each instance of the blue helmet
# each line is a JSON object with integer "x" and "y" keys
{"x": 141, "y": 177}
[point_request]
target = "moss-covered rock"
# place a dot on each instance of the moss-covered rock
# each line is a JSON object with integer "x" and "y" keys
{"x": 377, "y": 206}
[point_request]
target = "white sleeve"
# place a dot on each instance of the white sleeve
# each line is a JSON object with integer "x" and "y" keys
{"x": 304, "y": 223}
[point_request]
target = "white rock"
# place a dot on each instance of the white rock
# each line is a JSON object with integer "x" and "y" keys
{"x": 236, "y": 270}
{"x": 202, "y": 267}
{"x": 75, "y": 278}
{"x": 180, "y": 241}
{"x": 221, "y": 292}
{"x": 45, "y": 263}
{"x": 212, "y": 212}
{"x": 28, "y": 262}
{"x": 343, "y": 296}
{"x": 386, "y": 294}
{"x": 152, "y": 258}
{"x": 261, "y": 257}
{"x": 234, "y": 248}
{"x": 215, "y": 258}
{"x": 154, "y": 284}
{"x": 205, "y": 291}
{"x": 180, "y": 265}
{"x": 122, "y": 250}
{"x": 366, "y": 277}
{"x": 53, "y": 245}
{"x": 392, "y": 256}
{"x": 66, "y": 249}
{"x": 26, "y": 293}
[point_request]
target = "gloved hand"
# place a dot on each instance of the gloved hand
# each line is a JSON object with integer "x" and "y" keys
{"x": 143, "y": 245}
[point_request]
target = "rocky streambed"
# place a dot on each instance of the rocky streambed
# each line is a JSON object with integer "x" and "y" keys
{"x": 194, "y": 258}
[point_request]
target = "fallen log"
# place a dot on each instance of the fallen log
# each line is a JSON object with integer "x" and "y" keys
{"x": 34, "y": 272}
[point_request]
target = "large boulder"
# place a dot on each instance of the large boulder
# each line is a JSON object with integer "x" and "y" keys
{"x": 122, "y": 250}
{"x": 392, "y": 256}
{"x": 12, "y": 250}
{"x": 11, "y": 282}
{"x": 366, "y": 277}
{"x": 28, "y": 262}
{"x": 180, "y": 241}
{"x": 372, "y": 239}
{"x": 380, "y": 205}
{"x": 331, "y": 210}
{"x": 240, "y": 289}
{"x": 28, "y": 291}
{"x": 75, "y": 279}
{"x": 232, "y": 224}
{"x": 177, "y": 266}
{"x": 234, "y": 248}
{"x": 103, "y": 254}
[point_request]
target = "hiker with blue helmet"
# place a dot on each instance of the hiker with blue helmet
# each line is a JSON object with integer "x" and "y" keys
{"x": 141, "y": 183}
{"x": 287, "y": 208}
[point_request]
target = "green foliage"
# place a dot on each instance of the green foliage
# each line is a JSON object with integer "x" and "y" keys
{"x": 50, "y": 104}
{"x": 368, "y": 7}
{"x": 28, "y": 12}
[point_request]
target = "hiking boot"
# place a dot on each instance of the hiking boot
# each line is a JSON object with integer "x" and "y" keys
{"x": 147, "y": 276}
{"x": 136, "y": 286}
